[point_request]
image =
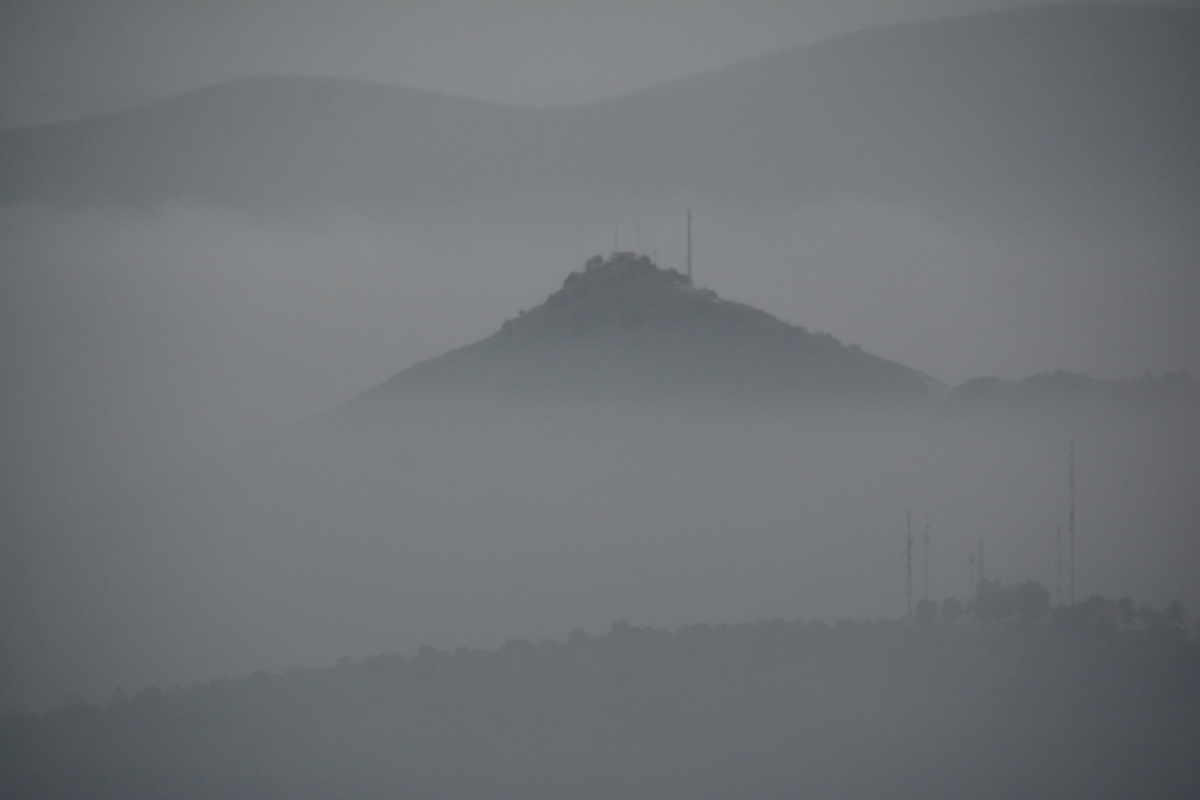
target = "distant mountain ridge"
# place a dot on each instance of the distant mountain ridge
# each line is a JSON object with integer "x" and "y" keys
{"x": 625, "y": 328}
{"x": 1047, "y": 117}
{"x": 267, "y": 142}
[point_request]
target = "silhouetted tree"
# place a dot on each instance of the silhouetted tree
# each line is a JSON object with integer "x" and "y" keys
{"x": 952, "y": 609}
{"x": 992, "y": 601}
{"x": 1096, "y": 615}
{"x": 1174, "y": 614}
{"x": 1030, "y": 601}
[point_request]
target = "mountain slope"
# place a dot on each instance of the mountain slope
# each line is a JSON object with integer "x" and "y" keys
{"x": 1080, "y": 116}
{"x": 623, "y": 328}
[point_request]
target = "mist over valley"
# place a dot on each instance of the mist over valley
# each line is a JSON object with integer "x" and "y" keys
{"x": 633, "y": 448}
{"x": 309, "y": 371}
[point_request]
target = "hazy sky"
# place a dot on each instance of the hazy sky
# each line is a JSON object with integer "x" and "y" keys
{"x": 72, "y": 58}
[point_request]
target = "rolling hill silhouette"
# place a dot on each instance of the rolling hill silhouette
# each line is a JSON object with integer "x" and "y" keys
{"x": 1078, "y": 117}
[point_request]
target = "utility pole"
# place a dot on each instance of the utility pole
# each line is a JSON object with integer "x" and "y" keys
{"x": 927, "y": 595}
{"x": 1071, "y": 519}
{"x": 979, "y": 577}
{"x": 689, "y": 245}
{"x": 971, "y": 583}
{"x": 1058, "y": 565}
{"x": 908, "y": 591}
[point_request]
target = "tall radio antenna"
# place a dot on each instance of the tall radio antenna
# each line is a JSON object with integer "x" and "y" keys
{"x": 689, "y": 247}
{"x": 972, "y": 586}
{"x": 927, "y": 593}
{"x": 908, "y": 590}
{"x": 1058, "y": 565}
{"x": 1071, "y": 519}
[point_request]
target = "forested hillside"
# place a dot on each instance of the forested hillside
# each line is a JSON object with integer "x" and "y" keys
{"x": 994, "y": 701}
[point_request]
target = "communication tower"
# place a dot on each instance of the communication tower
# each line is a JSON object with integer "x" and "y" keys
{"x": 1071, "y": 518}
{"x": 909, "y": 541}
{"x": 689, "y": 245}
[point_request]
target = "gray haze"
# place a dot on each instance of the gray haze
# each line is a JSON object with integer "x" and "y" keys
{"x": 167, "y": 312}
{"x": 452, "y": 522}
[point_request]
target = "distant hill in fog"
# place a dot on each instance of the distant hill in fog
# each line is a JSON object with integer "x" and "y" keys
{"x": 1070, "y": 395}
{"x": 1045, "y": 118}
{"x": 624, "y": 329}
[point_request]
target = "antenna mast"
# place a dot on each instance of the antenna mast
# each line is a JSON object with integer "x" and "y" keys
{"x": 689, "y": 248}
{"x": 908, "y": 591}
{"x": 1058, "y": 564}
{"x": 972, "y": 586}
{"x": 1071, "y": 519}
{"x": 927, "y": 594}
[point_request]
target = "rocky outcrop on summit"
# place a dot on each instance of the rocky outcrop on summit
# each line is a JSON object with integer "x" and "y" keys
{"x": 625, "y": 329}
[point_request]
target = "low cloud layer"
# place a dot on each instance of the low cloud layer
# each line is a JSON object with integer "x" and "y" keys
{"x": 140, "y": 341}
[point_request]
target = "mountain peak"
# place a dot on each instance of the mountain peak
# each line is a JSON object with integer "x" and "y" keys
{"x": 623, "y": 327}
{"x": 613, "y": 296}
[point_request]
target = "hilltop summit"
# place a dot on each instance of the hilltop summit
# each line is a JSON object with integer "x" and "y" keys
{"x": 625, "y": 328}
